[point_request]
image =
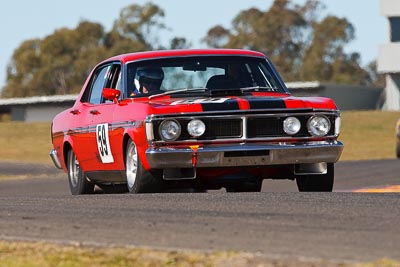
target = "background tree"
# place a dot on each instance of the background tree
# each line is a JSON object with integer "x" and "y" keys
{"x": 217, "y": 37}
{"x": 60, "y": 63}
{"x": 302, "y": 46}
{"x": 141, "y": 24}
{"x": 55, "y": 65}
{"x": 377, "y": 80}
{"x": 22, "y": 69}
{"x": 324, "y": 58}
{"x": 277, "y": 32}
{"x": 179, "y": 43}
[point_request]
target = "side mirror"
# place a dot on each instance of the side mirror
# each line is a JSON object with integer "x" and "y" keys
{"x": 111, "y": 94}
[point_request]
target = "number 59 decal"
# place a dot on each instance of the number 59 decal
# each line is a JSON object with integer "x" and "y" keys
{"x": 103, "y": 143}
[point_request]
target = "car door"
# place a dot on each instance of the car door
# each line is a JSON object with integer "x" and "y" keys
{"x": 97, "y": 153}
{"x": 104, "y": 124}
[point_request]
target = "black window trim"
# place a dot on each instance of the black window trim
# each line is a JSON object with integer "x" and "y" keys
{"x": 88, "y": 90}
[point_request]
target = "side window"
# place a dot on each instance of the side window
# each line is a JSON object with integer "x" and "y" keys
{"x": 115, "y": 77}
{"x": 98, "y": 83}
{"x": 130, "y": 78}
{"x": 118, "y": 86}
{"x": 114, "y": 80}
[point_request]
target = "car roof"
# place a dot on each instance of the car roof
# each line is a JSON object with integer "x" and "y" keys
{"x": 184, "y": 53}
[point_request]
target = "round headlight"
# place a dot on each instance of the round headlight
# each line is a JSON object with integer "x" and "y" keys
{"x": 318, "y": 125}
{"x": 196, "y": 128}
{"x": 170, "y": 130}
{"x": 291, "y": 125}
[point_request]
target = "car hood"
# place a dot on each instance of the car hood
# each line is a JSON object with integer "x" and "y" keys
{"x": 236, "y": 103}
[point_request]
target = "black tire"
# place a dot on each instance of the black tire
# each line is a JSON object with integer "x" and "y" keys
{"x": 398, "y": 149}
{"x": 78, "y": 182}
{"x": 248, "y": 186}
{"x": 317, "y": 182}
{"x": 138, "y": 179}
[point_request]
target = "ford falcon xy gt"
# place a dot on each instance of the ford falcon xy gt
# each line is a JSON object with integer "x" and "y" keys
{"x": 200, "y": 119}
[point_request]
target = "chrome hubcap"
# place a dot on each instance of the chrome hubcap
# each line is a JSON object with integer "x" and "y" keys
{"x": 131, "y": 165}
{"x": 73, "y": 169}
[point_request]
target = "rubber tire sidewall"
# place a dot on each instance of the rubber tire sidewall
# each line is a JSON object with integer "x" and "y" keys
{"x": 317, "y": 182}
{"x": 146, "y": 181}
{"x": 82, "y": 186}
{"x": 398, "y": 149}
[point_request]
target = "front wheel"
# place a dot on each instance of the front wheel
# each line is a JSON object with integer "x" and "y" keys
{"x": 78, "y": 182}
{"x": 317, "y": 182}
{"x": 398, "y": 149}
{"x": 138, "y": 179}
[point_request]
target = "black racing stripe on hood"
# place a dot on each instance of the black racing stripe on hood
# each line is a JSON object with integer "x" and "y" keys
{"x": 263, "y": 103}
{"x": 230, "y": 104}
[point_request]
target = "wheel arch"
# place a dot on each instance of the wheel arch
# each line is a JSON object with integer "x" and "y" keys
{"x": 66, "y": 147}
{"x": 125, "y": 141}
{"x": 141, "y": 150}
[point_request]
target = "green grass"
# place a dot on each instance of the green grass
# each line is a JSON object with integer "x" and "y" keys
{"x": 25, "y": 142}
{"x": 366, "y": 135}
{"x": 37, "y": 254}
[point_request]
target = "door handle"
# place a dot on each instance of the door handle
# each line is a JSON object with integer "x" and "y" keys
{"x": 95, "y": 112}
{"x": 75, "y": 112}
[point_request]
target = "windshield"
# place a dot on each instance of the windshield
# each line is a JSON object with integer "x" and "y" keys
{"x": 186, "y": 74}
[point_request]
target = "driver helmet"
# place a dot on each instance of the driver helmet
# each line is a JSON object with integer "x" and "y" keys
{"x": 150, "y": 78}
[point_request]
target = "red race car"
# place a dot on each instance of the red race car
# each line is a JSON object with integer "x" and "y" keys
{"x": 200, "y": 119}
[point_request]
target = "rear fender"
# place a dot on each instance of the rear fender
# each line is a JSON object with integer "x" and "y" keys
{"x": 67, "y": 146}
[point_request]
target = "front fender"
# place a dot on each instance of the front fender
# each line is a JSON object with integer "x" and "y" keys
{"x": 138, "y": 135}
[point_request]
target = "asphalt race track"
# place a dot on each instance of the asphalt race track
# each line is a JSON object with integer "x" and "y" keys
{"x": 277, "y": 222}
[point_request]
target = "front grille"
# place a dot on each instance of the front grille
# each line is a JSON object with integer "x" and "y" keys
{"x": 272, "y": 127}
{"x": 216, "y": 128}
{"x": 223, "y": 128}
{"x": 264, "y": 127}
{"x": 257, "y": 126}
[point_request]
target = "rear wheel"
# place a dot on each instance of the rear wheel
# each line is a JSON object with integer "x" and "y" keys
{"x": 317, "y": 182}
{"x": 138, "y": 179}
{"x": 78, "y": 182}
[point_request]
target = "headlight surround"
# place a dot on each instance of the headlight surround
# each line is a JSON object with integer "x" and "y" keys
{"x": 169, "y": 130}
{"x": 318, "y": 125}
{"x": 337, "y": 125}
{"x": 196, "y": 128}
{"x": 149, "y": 131}
{"x": 291, "y": 125}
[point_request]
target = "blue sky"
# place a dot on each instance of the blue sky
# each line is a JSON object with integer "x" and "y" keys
{"x": 21, "y": 20}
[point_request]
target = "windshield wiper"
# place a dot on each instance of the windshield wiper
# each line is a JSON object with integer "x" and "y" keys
{"x": 212, "y": 92}
{"x": 200, "y": 89}
{"x": 259, "y": 88}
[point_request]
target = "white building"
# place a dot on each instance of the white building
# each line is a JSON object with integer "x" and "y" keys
{"x": 389, "y": 54}
{"x": 37, "y": 108}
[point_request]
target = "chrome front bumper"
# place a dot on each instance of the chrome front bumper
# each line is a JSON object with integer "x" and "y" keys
{"x": 244, "y": 155}
{"x": 53, "y": 156}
